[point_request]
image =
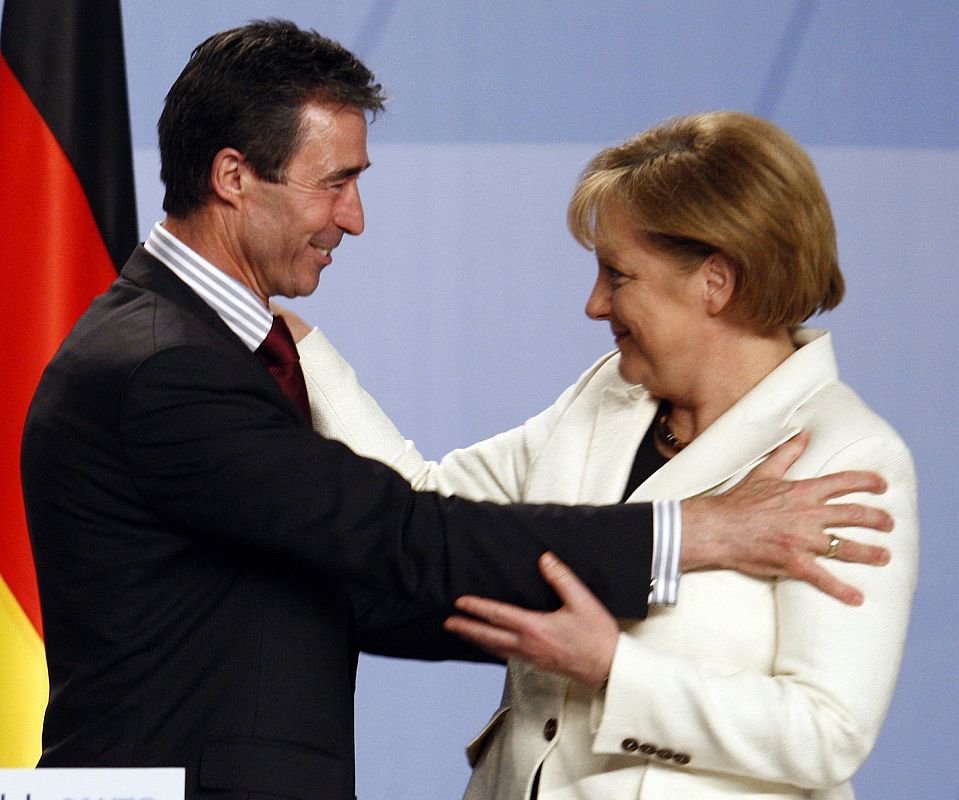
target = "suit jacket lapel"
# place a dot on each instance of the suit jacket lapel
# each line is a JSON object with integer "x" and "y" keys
{"x": 151, "y": 274}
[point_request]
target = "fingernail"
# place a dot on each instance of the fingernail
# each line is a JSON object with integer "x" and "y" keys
{"x": 548, "y": 559}
{"x": 884, "y": 558}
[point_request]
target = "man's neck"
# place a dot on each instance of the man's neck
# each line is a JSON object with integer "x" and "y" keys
{"x": 204, "y": 232}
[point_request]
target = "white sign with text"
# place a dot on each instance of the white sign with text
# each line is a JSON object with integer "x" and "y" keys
{"x": 92, "y": 784}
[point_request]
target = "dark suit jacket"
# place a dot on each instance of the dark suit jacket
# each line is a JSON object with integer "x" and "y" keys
{"x": 194, "y": 540}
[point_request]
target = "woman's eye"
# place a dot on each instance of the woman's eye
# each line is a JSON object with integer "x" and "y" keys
{"x": 614, "y": 276}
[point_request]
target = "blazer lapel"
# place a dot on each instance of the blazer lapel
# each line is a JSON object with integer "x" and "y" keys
{"x": 729, "y": 447}
{"x": 754, "y": 427}
{"x": 623, "y": 415}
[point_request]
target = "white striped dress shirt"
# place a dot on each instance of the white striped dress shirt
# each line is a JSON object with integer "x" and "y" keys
{"x": 667, "y": 537}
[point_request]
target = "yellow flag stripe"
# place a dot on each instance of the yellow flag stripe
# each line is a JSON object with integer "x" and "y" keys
{"x": 23, "y": 684}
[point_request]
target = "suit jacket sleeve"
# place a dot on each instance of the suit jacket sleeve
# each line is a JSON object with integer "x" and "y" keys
{"x": 492, "y": 470}
{"x": 386, "y": 625}
{"x": 213, "y": 454}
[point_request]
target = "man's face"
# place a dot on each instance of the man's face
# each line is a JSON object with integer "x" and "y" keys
{"x": 286, "y": 231}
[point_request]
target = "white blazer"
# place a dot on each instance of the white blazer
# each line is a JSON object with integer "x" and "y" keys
{"x": 747, "y": 688}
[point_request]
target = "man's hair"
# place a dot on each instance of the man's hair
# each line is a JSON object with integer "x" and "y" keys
{"x": 722, "y": 182}
{"x": 246, "y": 88}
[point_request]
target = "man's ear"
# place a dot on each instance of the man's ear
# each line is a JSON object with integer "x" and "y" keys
{"x": 228, "y": 173}
{"x": 719, "y": 282}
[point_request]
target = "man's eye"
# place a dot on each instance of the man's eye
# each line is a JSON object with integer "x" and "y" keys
{"x": 340, "y": 186}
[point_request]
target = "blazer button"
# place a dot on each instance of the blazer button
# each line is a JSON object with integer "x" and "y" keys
{"x": 647, "y": 749}
{"x": 664, "y": 753}
{"x": 681, "y": 758}
{"x": 549, "y": 729}
{"x": 630, "y": 745}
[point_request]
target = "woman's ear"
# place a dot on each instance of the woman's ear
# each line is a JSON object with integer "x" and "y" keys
{"x": 227, "y": 175}
{"x": 719, "y": 282}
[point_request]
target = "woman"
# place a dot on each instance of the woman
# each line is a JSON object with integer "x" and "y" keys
{"x": 714, "y": 240}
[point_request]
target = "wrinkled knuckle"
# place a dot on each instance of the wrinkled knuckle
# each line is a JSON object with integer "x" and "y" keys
{"x": 796, "y": 565}
{"x": 857, "y": 514}
{"x": 848, "y": 480}
{"x": 876, "y": 518}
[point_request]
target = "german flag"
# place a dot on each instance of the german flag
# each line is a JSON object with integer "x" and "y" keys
{"x": 67, "y": 221}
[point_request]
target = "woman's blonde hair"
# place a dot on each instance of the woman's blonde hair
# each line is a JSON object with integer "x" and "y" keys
{"x": 729, "y": 182}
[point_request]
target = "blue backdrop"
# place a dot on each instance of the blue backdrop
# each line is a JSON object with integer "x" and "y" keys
{"x": 461, "y": 306}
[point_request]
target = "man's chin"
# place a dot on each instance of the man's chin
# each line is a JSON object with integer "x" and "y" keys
{"x": 306, "y": 286}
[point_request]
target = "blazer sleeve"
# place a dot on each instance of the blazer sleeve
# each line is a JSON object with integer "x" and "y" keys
{"x": 813, "y": 719}
{"x": 215, "y": 456}
{"x": 493, "y": 470}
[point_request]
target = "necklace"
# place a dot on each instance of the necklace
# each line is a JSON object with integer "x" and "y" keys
{"x": 665, "y": 435}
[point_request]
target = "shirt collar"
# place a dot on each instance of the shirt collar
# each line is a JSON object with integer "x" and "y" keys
{"x": 235, "y": 303}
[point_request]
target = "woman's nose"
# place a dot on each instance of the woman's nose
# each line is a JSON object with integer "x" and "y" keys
{"x": 598, "y": 304}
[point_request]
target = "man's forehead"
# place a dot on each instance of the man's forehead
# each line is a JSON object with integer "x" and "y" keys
{"x": 335, "y": 135}
{"x": 331, "y": 118}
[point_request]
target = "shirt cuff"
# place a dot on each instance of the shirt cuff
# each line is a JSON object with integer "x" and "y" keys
{"x": 667, "y": 541}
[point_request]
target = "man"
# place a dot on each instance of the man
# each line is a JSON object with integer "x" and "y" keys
{"x": 194, "y": 539}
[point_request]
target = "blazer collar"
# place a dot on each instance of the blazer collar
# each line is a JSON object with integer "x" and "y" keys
{"x": 734, "y": 443}
{"x": 624, "y": 413}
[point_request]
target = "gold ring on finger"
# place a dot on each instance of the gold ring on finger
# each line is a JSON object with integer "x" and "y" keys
{"x": 834, "y": 543}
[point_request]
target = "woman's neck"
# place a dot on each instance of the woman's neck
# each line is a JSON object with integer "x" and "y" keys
{"x": 732, "y": 364}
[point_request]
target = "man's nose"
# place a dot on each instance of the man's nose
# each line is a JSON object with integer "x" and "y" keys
{"x": 348, "y": 214}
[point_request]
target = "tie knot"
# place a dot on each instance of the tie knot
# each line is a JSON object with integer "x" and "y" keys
{"x": 279, "y": 356}
{"x": 278, "y": 347}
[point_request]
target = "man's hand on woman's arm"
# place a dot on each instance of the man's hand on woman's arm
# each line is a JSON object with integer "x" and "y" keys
{"x": 771, "y": 527}
{"x": 765, "y": 526}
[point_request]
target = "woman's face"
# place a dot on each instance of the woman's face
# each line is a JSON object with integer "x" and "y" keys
{"x": 654, "y": 307}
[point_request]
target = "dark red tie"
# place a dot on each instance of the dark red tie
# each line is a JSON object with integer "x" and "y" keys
{"x": 278, "y": 353}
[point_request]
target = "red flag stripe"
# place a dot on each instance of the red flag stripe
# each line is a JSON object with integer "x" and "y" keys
{"x": 68, "y": 57}
{"x": 54, "y": 261}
